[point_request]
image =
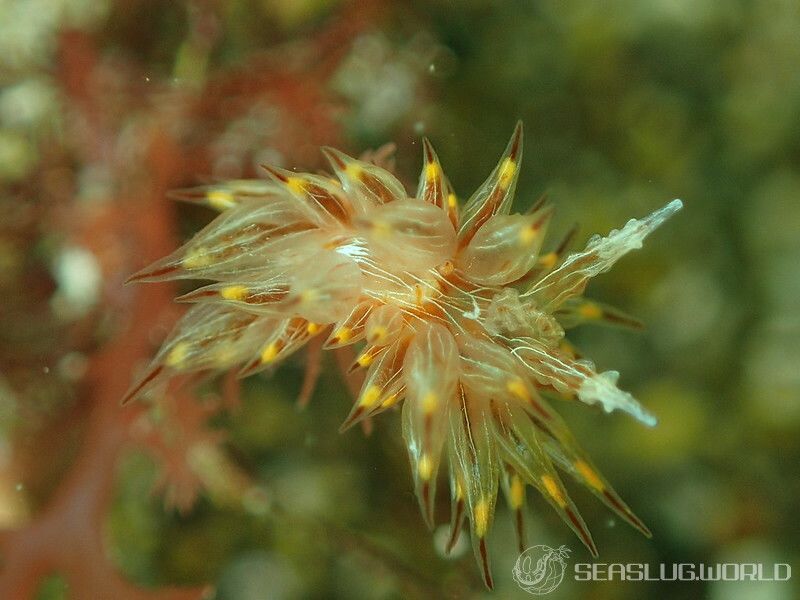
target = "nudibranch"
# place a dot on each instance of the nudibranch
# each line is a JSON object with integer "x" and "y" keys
{"x": 456, "y": 314}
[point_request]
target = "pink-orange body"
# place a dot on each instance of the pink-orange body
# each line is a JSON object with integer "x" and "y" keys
{"x": 457, "y": 315}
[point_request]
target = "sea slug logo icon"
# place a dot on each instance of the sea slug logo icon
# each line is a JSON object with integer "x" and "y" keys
{"x": 540, "y": 569}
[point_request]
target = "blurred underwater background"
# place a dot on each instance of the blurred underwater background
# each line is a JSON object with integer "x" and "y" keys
{"x": 235, "y": 493}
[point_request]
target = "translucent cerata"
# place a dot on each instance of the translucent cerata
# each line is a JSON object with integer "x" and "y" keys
{"x": 455, "y": 312}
